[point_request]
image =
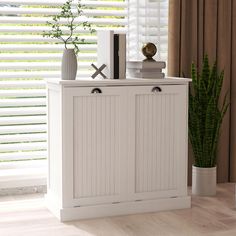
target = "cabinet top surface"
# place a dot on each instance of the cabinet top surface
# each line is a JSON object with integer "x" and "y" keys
{"x": 117, "y": 82}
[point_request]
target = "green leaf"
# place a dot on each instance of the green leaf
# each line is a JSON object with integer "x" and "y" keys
{"x": 205, "y": 116}
{"x": 69, "y": 16}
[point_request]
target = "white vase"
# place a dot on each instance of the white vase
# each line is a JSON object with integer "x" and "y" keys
{"x": 68, "y": 65}
{"x": 204, "y": 181}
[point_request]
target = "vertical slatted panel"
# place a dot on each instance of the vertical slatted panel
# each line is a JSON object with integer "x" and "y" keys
{"x": 54, "y": 166}
{"x": 172, "y": 174}
{"x": 96, "y": 146}
{"x": 155, "y": 143}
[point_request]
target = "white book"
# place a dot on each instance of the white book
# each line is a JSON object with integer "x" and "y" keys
{"x": 105, "y": 51}
{"x": 150, "y": 70}
{"x": 147, "y": 75}
{"x": 146, "y": 64}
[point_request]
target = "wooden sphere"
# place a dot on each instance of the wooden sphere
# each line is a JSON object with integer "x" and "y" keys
{"x": 149, "y": 50}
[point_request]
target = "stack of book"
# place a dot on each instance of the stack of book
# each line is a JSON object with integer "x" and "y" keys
{"x": 146, "y": 69}
{"x": 112, "y": 52}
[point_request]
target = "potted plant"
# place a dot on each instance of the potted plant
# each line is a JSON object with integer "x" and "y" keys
{"x": 205, "y": 118}
{"x": 63, "y": 26}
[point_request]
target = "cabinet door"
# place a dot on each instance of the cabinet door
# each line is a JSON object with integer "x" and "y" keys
{"x": 158, "y": 141}
{"x": 94, "y": 145}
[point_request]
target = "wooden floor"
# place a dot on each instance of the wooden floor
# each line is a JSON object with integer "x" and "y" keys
{"x": 27, "y": 216}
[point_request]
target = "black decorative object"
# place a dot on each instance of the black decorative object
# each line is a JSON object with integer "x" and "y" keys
{"x": 98, "y": 71}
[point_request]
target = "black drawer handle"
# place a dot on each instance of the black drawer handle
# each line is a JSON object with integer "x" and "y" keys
{"x": 156, "y": 89}
{"x": 96, "y": 90}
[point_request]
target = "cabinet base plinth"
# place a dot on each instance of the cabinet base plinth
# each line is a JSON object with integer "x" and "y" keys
{"x": 122, "y": 208}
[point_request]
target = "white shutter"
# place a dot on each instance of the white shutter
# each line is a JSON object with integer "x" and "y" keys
{"x": 147, "y": 22}
{"x": 26, "y": 58}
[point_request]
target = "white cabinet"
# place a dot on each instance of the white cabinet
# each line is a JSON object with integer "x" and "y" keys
{"x": 117, "y": 147}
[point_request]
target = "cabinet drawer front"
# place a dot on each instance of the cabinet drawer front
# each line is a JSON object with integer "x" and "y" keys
{"x": 160, "y": 129}
{"x": 96, "y": 145}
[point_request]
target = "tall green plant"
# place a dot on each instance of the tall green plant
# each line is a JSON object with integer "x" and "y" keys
{"x": 206, "y": 113}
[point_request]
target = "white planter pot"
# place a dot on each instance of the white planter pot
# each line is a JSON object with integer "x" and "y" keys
{"x": 68, "y": 65}
{"x": 204, "y": 181}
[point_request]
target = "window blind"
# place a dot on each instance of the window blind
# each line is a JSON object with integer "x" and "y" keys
{"x": 147, "y": 22}
{"x": 26, "y": 58}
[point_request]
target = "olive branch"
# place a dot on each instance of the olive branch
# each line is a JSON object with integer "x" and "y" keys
{"x": 63, "y": 25}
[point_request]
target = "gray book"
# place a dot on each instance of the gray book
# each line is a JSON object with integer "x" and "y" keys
{"x": 122, "y": 56}
{"x": 148, "y": 70}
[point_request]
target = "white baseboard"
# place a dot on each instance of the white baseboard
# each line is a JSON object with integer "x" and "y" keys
{"x": 122, "y": 208}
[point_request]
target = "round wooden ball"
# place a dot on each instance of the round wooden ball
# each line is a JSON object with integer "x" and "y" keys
{"x": 149, "y": 50}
